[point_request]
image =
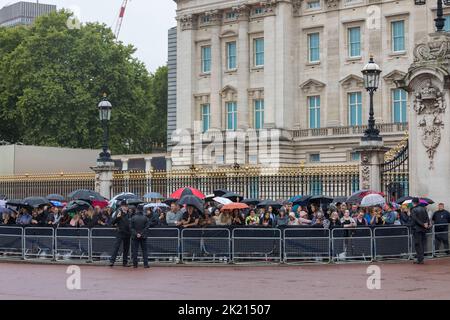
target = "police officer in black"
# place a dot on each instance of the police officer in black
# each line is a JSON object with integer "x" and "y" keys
{"x": 122, "y": 222}
{"x": 441, "y": 219}
{"x": 139, "y": 228}
{"x": 420, "y": 225}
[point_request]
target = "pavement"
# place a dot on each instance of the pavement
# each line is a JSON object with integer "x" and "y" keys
{"x": 399, "y": 280}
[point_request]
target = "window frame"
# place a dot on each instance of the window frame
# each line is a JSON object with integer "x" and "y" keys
{"x": 228, "y": 56}
{"x": 315, "y": 109}
{"x": 255, "y": 52}
{"x": 309, "y": 37}
{"x": 393, "y": 37}
{"x": 350, "y": 43}
{"x": 203, "y": 114}
{"x": 358, "y": 108}
{"x": 258, "y": 113}
{"x": 233, "y": 114}
{"x": 403, "y": 115}
{"x": 203, "y": 60}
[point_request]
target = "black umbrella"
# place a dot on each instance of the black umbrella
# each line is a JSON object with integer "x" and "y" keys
{"x": 85, "y": 194}
{"x": 233, "y": 196}
{"x": 321, "y": 199}
{"x": 191, "y": 200}
{"x": 134, "y": 201}
{"x": 253, "y": 202}
{"x": 55, "y": 197}
{"x": 186, "y": 192}
{"x": 125, "y": 196}
{"x": 220, "y": 192}
{"x": 36, "y": 202}
{"x": 403, "y": 199}
{"x": 302, "y": 201}
{"x": 170, "y": 201}
{"x": 15, "y": 203}
{"x": 78, "y": 205}
{"x": 339, "y": 199}
{"x": 270, "y": 203}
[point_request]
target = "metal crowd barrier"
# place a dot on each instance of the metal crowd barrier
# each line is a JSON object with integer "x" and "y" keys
{"x": 306, "y": 245}
{"x": 206, "y": 245}
{"x": 72, "y": 243}
{"x": 11, "y": 242}
{"x": 257, "y": 244}
{"x": 221, "y": 245}
{"x": 102, "y": 244}
{"x": 163, "y": 245}
{"x": 441, "y": 237}
{"x": 351, "y": 244}
{"x": 39, "y": 243}
{"x": 391, "y": 242}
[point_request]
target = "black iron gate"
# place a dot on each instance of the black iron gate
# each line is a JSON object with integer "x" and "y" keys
{"x": 395, "y": 172}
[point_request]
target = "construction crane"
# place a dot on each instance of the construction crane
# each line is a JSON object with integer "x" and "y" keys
{"x": 120, "y": 19}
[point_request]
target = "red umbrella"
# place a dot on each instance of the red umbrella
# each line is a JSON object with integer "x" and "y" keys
{"x": 100, "y": 203}
{"x": 178, "y": 194}
{"x": 234, "y": 205}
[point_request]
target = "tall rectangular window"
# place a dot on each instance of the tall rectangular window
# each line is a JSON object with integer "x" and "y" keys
{"x": 398, "y": 35}
{"x": 206, "y": 59}
{"x": 314, "y": 112}
{"x": 315, "y": 4}
{"x": 231, "y": 115}
{"x": 206, "y": 117}
{"x": 259, "y": 52}
{"x": 399, "y": 102}
{"x": 231, "y": 55}
{"x": 259, "y": 114}
{"x": 354, "y": 42}
{"x": 355, "y": 108}
{"x": 447, "y": 23}
{"x": 314, "y": 47}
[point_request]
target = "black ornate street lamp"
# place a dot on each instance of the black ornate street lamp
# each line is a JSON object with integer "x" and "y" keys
{"x": 371, "y": 73}
{"x": 105, "y": 108}
{"x": 439, "y": 21}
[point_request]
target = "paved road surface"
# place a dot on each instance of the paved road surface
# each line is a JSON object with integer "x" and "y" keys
{"x": 399, "y": 281}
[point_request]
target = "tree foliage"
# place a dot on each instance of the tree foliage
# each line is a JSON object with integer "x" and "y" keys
{"x": 53, "y": 77}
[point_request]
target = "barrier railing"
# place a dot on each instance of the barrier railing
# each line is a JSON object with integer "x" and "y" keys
{"x": 391, "y": 242}
{"x": 352, "y": 244}
{"x": 441, "y": 235}
{"x": 206, "y": 245}
{"x": 226, "y": 245}
{"x": 102, "y": 244}
{"x": 306, "y": 245}
{"x": 257, "y": 244}
{"x": 72, "y": 243}
{"x": 11, "y": 242}
{"x": 163, "y": 245}
{"x": 39, "y": 243}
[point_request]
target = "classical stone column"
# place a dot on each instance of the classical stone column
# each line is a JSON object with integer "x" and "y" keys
{"x": 104, "y": 172}
{"x": 243, "y": 68}
{"x": 428, "y": 83}
{"x": 216, "y": 71}
{"x": 270, "y": 55}
{"x": 186, "y": 71}
{"x": 148, "y": 164}
{"x": 372, "y": 157}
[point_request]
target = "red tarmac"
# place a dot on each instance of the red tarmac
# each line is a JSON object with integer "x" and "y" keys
{"x": 399, "y": 280}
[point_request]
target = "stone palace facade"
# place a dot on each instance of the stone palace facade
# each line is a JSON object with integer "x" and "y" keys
{"x": 294, "y": 65}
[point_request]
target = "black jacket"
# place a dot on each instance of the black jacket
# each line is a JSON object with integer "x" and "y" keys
{"x": 139, "y": 225}
{"x": 442, "y": 218}
{"x": 123, "y": 225}
{"x": 419, "y": 217}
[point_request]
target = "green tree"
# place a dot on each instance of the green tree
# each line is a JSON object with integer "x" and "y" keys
{"x": 53, "y": 77}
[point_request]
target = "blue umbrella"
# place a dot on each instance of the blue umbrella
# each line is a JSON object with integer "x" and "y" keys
{"x": 57, "y": 204}
{"x": 153, "y": 195}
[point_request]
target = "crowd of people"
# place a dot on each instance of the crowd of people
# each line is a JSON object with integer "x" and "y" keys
{"x": 313, "y": 215}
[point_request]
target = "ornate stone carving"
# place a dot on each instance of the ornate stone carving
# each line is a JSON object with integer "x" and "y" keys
{"x": 332, "y": 3}
{"x": 352, "y": 81}
{"x": 312, "y": 86}
{"x": 211, "y": 18}
{"x": 242, "y": 12}
{"x": 437, "y": 48}
{"x": 365, "y": 171}
{"x": 296, "y": 7}
{"x": 187, "y": 22}
{"x": 269, "y": 6}
{"x": 429, "y": 106}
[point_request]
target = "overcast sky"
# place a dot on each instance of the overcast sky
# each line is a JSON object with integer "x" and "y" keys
{"x": 145, "y": 24}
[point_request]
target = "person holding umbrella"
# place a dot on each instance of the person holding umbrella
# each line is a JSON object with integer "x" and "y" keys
{"x": 122, "y": 221}
{"x": 190, "y": 217}
{"x": 139, "y": 226}
{"x": 420, "y": 225}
